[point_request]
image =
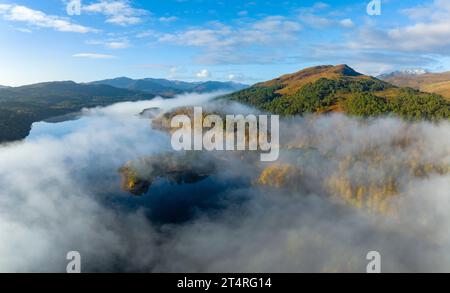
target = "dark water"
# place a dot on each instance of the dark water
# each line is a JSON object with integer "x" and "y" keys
{"x": 165, "y": 202}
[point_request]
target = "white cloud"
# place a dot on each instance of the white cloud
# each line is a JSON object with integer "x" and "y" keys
{"x": 375, "y": 49}
{"x": 24, "y": 30}
{"x": 118, "y": 12}
{"x": 266, "y": 31}
{"x": 320, "y": 5}
{"x": 4, "y": 7}
{"x": 429, "y": 34}
{"x": 168, "y": 19}
{"x": 348, "y": 23}
{"x": 38, "y": 18}
{"x": 198, "y": 37}
{"x": 316, "y": 21}
{"x": 112, "y": 44}
{"x": 239, "y": 77}
{"x": 311, "y": 19}
{"x": 223, "y": 43}
{"x": 146, "y": 34}
{"x": 203, "y": 74}
{"x": 280, "y": 24}
{"x": 437, "y": 9}
{"x": 319, "y": 16}
{"x": 118, "y": 44}
{"x": 93, "y": 56}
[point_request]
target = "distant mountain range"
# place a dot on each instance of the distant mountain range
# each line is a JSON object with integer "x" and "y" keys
{"x": 21, "y": 106}
{"x": 326, "y": 89}
{"x": 170, "y": 87}
{"x": 321, "y": 89}
{"x": 48, "y": 92}
{"x": 438, "y": 83}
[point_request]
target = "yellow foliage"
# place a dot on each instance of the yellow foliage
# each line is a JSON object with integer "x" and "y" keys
{"x": 368, "y": 180}
{"x": 279, "y": 175}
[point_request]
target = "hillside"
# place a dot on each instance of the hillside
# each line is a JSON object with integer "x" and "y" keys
{"x": 20, "y": 107}
{"x": 440, "y": 88}
{"x": 169, "y": 87}
{"x": 326, "y": 89}
{"x": 438, "y": 83}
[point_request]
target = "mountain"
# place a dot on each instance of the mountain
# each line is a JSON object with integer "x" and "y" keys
{"x": 438, "y": 83}
{"x": 169, "y": 87}
{"x": 325, "y": 89}
{"x": 63, "y": 90}
{"x": 21, "y": 106}
{"x": 406, "y": 72}
{"x": 148, "y": 85}
{"x": 211, "y": 86}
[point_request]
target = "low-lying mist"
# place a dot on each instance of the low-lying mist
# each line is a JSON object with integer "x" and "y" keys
{"x": 342, "y": 187}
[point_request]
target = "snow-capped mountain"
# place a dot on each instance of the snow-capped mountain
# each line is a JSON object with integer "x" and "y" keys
{"x": 405, "y": 72}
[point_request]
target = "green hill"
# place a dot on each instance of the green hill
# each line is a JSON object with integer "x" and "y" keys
{"x": 326, "y": 89}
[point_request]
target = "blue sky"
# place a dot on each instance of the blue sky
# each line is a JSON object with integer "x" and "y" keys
{"x": 243, "y": 41}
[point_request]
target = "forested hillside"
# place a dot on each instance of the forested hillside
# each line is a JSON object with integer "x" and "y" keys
{"x": 327, "y": 89}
